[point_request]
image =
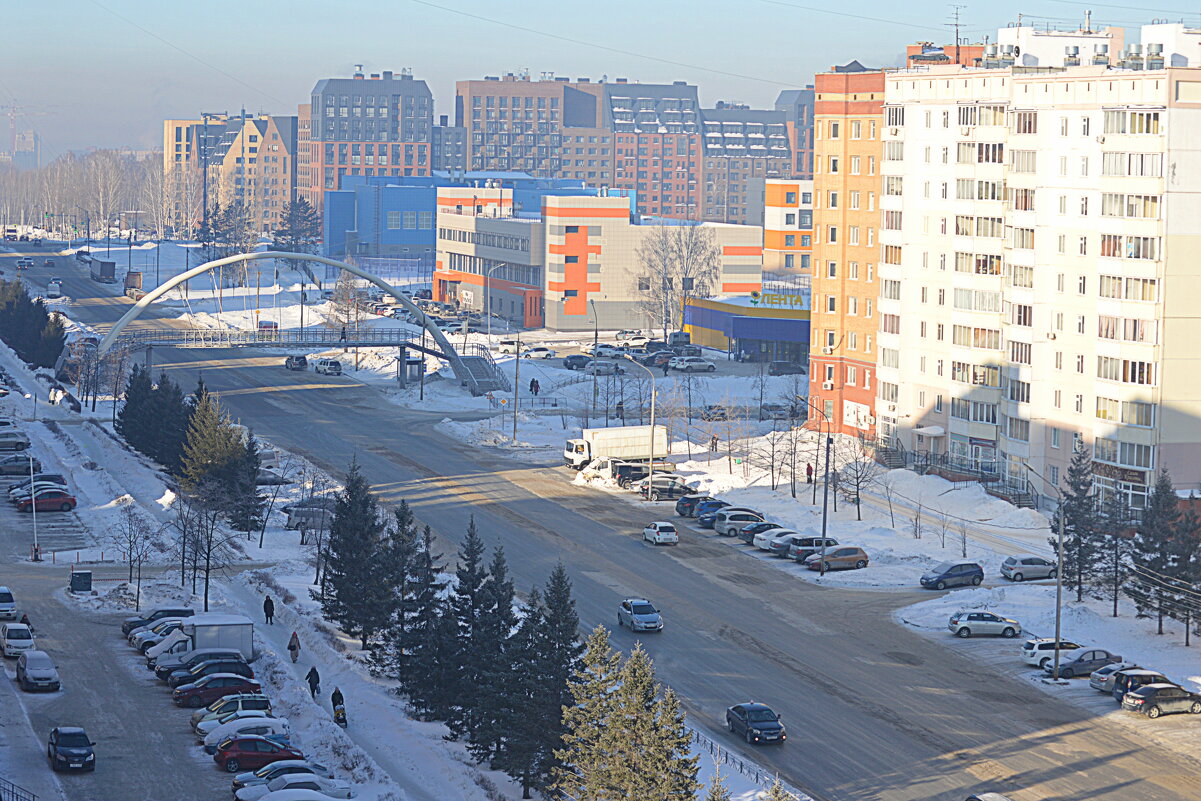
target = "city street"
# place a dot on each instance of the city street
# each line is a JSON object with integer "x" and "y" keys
{"x": 875, "y": 711}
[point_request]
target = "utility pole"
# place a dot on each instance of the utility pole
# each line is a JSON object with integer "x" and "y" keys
{"x": 1058, "y": 590}
{"x": 825, "y": 504}
{"x": 516, "y": 385}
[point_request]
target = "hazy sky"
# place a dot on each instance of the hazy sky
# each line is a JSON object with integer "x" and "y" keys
{"x": 104, "y": 73}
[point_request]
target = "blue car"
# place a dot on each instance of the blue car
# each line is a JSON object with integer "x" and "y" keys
{"x": 686, "y": 504}
{"x": 705, "y": 507}
{"x": 952, "y": 574}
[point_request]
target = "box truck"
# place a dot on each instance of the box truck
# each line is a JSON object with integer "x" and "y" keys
{"x": 231, "y": 632}
{"x": 629, "y": 443}
{"x": 104, "y": 272}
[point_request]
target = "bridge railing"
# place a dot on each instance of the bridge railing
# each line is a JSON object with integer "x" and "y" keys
{"x": 226, "y": 337}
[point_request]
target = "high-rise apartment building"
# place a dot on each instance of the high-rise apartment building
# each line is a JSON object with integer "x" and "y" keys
{"x": 847, "y": 150}
{"x": 448, "y": 146}
{"x": 797, "y": 105}
{"x": 787, "y": 227}
{"x": 380, "y": 124}
{"x": 1039, "y": 286}
{"x": 742, "y": 148}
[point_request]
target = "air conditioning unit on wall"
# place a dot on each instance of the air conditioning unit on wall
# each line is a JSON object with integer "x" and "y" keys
{"x": 827, "y": 385}
{"x": 828, "y": 350}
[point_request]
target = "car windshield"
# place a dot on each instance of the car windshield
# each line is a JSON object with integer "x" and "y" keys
{"x": 761, "y": 715}
{"x": 941, "y": 567}
{"x": 73, "y": 740}
{"x": 19, "y": 634}
{"x": 643, "y": 609}
{"x": 666, "y": 527}
{"x": 6, "y": 598}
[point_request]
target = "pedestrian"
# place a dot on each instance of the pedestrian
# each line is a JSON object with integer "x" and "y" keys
{"x": 621, "y": 410}
{"x": 335, "y": 699}
{"x": 533, "y": 386}
{"x": 294, "y": 647}
{"x": 713, "y": 444}
{"x": 314, "y": 680}
{"x": 343, "y": 337}
{"x": 666, "y": 368}
{"x": 809, "y": 473}
{"x": 537, "y": 387}
{"x": 269, "y": 610}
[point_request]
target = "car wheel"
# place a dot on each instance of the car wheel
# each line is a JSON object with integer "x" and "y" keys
{"x": 860, "y": 564}
{"x": 619, "y": 623}
{"x": 711, "y": 368}
{"x": 748, "y": 736}
{"x": 942, "y": 585}
{"x": 1009, "y": 632}
{"x": 976, "y": 581}
{"x": 231, "y": 766}
{"x": 1017, "y": 577}
{"x": 964, "y": 632}
{"x": 1051, "y": 575}
{"x": 1066, "y": 673}
{"x": 194, "y": 702}
{"x": 1195, "y": 709}
{"x": 654, "y": 496}
{"x": 1154, "y": 712}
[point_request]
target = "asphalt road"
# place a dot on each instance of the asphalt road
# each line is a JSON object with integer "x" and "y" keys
{"x": 875, "y": 711}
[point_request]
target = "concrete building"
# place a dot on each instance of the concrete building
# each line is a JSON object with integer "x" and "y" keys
{"x": 448, "y": 147}
{"x": 742, "y": 149}
{"x": 763, "y": 326}
{"x": 572, "y": 264}
{"x": 382, "y": 124}
{"x": 787, "y": 227}
{"x": 1039, "y": 281}
{"x": 797, "y": 105}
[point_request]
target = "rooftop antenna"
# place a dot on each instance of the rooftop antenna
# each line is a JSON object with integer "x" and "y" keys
{"x": 955, "y": 25}
{"x": 1088, "y": 21}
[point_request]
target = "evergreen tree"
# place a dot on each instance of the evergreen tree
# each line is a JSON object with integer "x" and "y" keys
{"x": 1186, "y": 559}
{"x": 211, "y": 453}
{"x": 299, "y": 230}
{"x": 467, "y": 601}
{"x": 51, "y": 341}
{"x": 1081, "y": 531}
{"x": 559, "y": 660}
{"x": 491, "y": 669}
{"x": 777, "y": 792}
{"x": 247, "y": 505}
{"x": 520, "y": 753}
{"x": 400, "y": 559}
{"x": 718, "y": 791}
{"x": 357, "y": 595}
{"x": 431, "y": 681}
{"x": 1153, "y": 556}
{"x": 585, "y": 767}
{"x": 1114, "y": 566}
{"x": 171, "y": 415}
{"x": 134, "y": 420}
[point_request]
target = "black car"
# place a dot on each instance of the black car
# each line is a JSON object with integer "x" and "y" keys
{"x": 18, "y": 465}
{"x": 1154, "y": 700}
{"x": 180, "y": 677}
{"x": 686, "y": 504}
{"x": 657, "y": 358}
{"x": 747, "y": 533}
{"x": 716, "y": 411}
{"x": 162, "y": 671}
{"x": 158, "y": 613}
{"x": 756, "y": 723}
{"x": 656, "y": 346}
{"x": 70, "y": 748}
{"x": 786, "y": 368}
{"x": 662, "y": 488}
{"x": 576, "y": 361}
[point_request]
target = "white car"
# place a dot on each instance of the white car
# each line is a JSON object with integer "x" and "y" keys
{"x": 727, "y": 522}
{"x": 538, "y": 353}
{"x": 660, "y": 533}
{"x": 142, "y": 640}
{"x": 23, "y": 491}
{"x": 1040, "y": 652}
{"x": 205, "y": 726}
{"x": 764, "y": 539}
{"x": 691, "y": 364}
{"x": 635, "y": 341}
{"x": 276, "y": 769}
{"x": 600, "y": 350}
{"x": 265, "y": 727}
{"x": 508, "y": 346}
{"x": 604, "y": 367}
{"x": 291, "y": 785}
{"x": 15, "y": 638}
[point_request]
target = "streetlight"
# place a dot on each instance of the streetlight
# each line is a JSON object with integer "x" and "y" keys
{"x": 595, "y": 342}
{"x": 651, "y": 465}
{"x": 488, "y": 297}
{"x": 1058, "y": 572}
{"x": 33, "y": 498}
{"x": 825, "y": 485}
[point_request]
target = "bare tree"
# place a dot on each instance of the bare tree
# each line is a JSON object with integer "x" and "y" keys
{"x": 917, "y": 522}
{"x": 285, "y": 471}
{"x": 134, "y": 538}
{"x": 676, "y": 262}
{"x": 887, "y": 481}
{"x": 859, "y": 472}
{"x": 962, "y": 539}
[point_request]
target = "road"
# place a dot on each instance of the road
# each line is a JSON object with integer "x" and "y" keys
{"x": 876, "y": 711}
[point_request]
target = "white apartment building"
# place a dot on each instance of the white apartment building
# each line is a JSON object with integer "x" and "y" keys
{"x": 1041, "y": 272}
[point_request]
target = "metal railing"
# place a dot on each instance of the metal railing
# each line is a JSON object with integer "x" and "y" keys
{"x": 721, "y": 756}
{"x": 11, "y": 792}
{"x": 230, "y": 338}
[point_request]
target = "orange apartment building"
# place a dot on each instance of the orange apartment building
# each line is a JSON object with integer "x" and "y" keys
{"x": 848, "y": 120}
{"x": 787, "y": 227}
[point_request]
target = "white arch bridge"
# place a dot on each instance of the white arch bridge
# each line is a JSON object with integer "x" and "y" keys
{"x": 473, "y": 365}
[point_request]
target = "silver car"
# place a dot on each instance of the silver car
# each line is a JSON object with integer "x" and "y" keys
{"x": 1025, "y": 566}
{"x": 639, "y": 614}
{"x": 1102, "y": 679}
{"x": 969, "y": 624}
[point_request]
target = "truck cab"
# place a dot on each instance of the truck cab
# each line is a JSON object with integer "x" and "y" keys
{"x": 577, "y": 453}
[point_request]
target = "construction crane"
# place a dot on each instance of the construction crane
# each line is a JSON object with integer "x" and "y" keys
{"x": 13, "y": 111}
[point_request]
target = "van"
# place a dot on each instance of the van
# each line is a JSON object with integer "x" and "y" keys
{"x": 14, "y": 639}
{"x": 296, "y": 363}
{"x": 36, "y": 671}
{"x": 13, "y": 440}
{"x": 508, "y": 346}
{"x": 8, "y": 604}
{"x": 313, "y": 515}
{"x": 328, "y": 367}
{"x": 1127, "y": 681}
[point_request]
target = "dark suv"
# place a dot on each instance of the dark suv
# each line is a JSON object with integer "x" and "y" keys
{"x": 178, "y": 678}
{"x": 756, "y": 723}
{"x": 131, "y": 623}
{"x": 686, "y": 505}
{"x": 296, "y": 363}
{"x": 952, "y": 574}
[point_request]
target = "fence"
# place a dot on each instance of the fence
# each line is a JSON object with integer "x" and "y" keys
{"x": 11, "y": 792}
{"x": 748, "y": 769}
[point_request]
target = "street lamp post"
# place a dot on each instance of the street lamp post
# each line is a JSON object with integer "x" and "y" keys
{"x": 825, "y": 485}
{"x": 488, "y": 297}
{"x": 33, "y": 499}
{"x": 1058, "y": 573}
{"x": 651, "y": 465}
{"x": 595, "y": 342}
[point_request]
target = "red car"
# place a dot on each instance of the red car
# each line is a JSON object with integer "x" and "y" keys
{"x": 211, "y": 687}
{"x": 251, "y": 752}
{"x": 49, "y": 501}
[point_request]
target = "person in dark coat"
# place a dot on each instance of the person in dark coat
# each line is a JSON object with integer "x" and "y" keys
{"x": 809, "y": 474}
{"x": 269, "y": 610}
{"x": 335, "y": 699}
{"x": 314, "y": 680}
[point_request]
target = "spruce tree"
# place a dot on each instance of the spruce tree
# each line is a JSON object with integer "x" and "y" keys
{"x": 1114, "y": 565}
{"x": 559, "y": 660}
{"x": 356, "y": 589}
{"x": 299, "y": 230}
{"x": 134, "y": 421}
{"x": 1152, "y": 555}
{"x": 170, "y": 416}
{"x": 467, "y": 601}
{"x": 718, "y": 791}
{"x": 1186, "y": 558}
{"x": 777, "y": 792}
{"x": 1081, "y": 535}
{"x": 247, "y": 504}
{"x": 430, "y": 686}
{"x": 520, "y": 753}
{"x": 585, "y": 768}
{"x": 400, "y": 560}
{"x": 490, "y": 670}
{"x": 211, "y": 453}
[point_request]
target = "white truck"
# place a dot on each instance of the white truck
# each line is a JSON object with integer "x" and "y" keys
{"x": 623, "y": 472}
{"x": 628, "y": 443}
{"x": 232, "y": 632}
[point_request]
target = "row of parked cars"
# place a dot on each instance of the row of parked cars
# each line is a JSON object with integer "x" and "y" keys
{"x": 232, "y": 717}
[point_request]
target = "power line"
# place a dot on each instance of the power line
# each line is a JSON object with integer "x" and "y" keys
{"x": 864, "y": 18}
{"x": 584, "y": 43}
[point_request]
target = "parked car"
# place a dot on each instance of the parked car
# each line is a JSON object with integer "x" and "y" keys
{"x": 1027, "y": 566}
{"x": 709, "y": 519}
{"x": 36, "y": 671}
{"x": 844, "y": 557}
{"x": 328, "y": 367}
{"x": 538, "y": 352}
{"x": 747, "y": 533}
{"x": 657, "y": 358}
{"x": 1154, "y": 700}
{"x": 246, "y": 703}
{"x": 142, "y": 640}
{"x": 158, "y": 613}
{"x": 779, "y": 411}
{"x": 29, "y": 490}
{"x": 708, "y": 505}
{"x": 251, "y": 752}
{"x": 39, "y": 478}
{"x": 13, "y": 441}
{"x": 633, "y": 341}
{"x": 15, "y": 638}
{"x": 1127, "y": 681}
{"x": 952, "y": 574}
{"x": 639, "y": 614}
{"x": 275, "y": 729}
{"x": 763, "y": 539}
{"x": 18, "y": 465}
{"x": 1083, "y": 662}
{"x": 1041, "y": 651}
{"x": 660, "y": 533}
{"x": 716, "y": 411}
{"x": 692, "y": 364}
{"x": 781, "y": 544}
{"x": 727, "y": 521}
{"x": 1102, "y": 678}
{"x": 785, "y": 368}
{"x": 291, "y": 787}
{"x": 663, "y": 487}
{"x": 296, "y": 363}
{"x": 186, "y": 661}
{"x": 969, "y": 624}
{"x": 603, "y": 367}
{"x": 509, "y": 346}
{"x": 803, "y": 548}
{"x": 48, "y": 500}
{"x": 205, "y": 689}
{"x": 576, "y": 361}
{"x": 203, "y": 727}
{"x": 283, "y": 767}
{"x": 687, "y": 503}
{"x": 8, "y": 604}
{"x": 179, "y": 678}
{"x": 70, "y": 748}
{"x": 756, "y": 723}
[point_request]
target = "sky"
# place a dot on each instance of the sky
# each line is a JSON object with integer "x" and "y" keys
{"x": 105, "y": 73}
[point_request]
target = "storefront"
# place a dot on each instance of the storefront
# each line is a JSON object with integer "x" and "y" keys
{"x": 762, "y": 326}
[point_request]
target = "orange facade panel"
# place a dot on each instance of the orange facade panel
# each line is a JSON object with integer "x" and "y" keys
{"x": 776, "y": 194}
{"x": 578, "y": 213}
{"x": 742, "y": 250}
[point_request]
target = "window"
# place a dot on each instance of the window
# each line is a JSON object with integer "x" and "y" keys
{"x": 1137, "y": 413}
{"x": 894, "y": 116}
{"x": 1019, "y": 391}
{"x": 790, "y": 198}
{"x": 393, "y": 220}
{"x": 1023, "y": 238}
{"x": 789, "y": 240}
{"x": 894, "y": 151}
{"x": 1025, "y": 122}
{"x": 1022, "y": 161}
{"x": 1023, "y": 315}
{"x": 1021, "y": 276}
{"x": 890, "y": 323}
{"x": 1019, "y": 352}
{"x": 1054, "y": 437}
{"x": 1018, "y": 429}
{"x": 1022, "y": 199}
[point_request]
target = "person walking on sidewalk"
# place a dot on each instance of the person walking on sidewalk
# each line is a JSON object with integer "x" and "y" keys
{"x": 294, "y": 647}
{"x": 269, "y": 610}
{"x": 314, "y": 680}
{"x": 809, "y": 473}
{"x": 335, "y": 699}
